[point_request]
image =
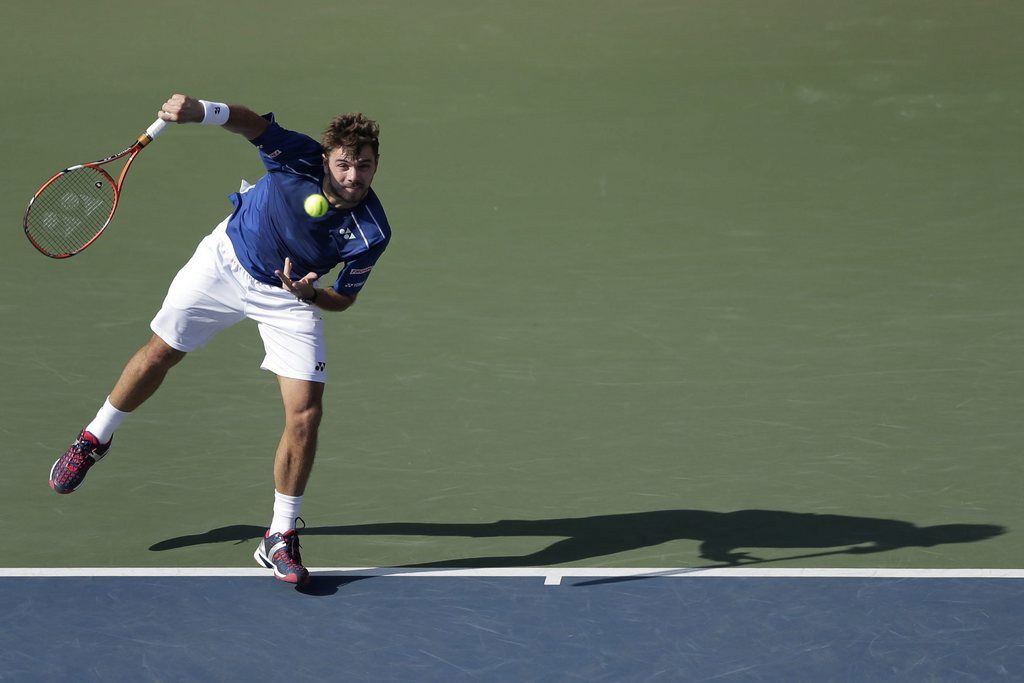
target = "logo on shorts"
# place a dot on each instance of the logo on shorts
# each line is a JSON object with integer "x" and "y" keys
{"x": 321, "y": 366}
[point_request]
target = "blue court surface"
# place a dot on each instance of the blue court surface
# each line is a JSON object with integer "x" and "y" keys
{"x": 513, "y": 625}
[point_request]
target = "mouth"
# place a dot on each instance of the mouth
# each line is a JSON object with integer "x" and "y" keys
{"x": 349, "y": 194}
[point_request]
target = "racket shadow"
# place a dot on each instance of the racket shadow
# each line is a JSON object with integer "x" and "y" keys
{"x": 237, "y": 533}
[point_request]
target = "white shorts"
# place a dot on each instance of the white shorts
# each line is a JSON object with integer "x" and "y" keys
{"x": 213, "y": 292}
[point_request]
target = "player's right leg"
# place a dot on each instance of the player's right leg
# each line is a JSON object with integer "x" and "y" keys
{"x": 140, "y": 378}
{"x": 144, "y": 374}
{"x": 202, "y": 300}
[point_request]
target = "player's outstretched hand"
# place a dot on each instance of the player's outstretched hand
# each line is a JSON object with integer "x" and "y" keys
{"x": 302, "y": 289}
{"x": 182, "y": 109}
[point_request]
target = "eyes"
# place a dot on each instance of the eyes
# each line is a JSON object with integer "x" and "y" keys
{"x": 344, "y": 166}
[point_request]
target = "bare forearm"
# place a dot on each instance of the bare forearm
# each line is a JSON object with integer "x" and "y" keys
{"x": 330, "y": 300}
{"x": 304, "y": 290}
{"x": 246, "y": 122}
{"x": 241, "y": 120}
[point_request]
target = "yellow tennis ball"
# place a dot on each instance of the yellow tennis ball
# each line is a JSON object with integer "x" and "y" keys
{"x": 315, "y": 205}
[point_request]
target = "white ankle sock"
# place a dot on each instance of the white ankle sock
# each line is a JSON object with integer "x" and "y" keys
{"x": 286, "y": 509}
{"x": 106, "y": 421}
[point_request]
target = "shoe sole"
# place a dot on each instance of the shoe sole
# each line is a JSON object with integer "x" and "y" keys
{"x": 262, "y": 560}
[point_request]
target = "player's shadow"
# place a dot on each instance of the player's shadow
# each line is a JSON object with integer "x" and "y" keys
{"x": 726, "y": 538}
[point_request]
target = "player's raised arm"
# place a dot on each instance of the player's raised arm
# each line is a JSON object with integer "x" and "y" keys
{"x": 235, "y": 117}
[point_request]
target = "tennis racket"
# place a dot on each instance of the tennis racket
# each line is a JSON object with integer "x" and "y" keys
{"x": 73, "y": 208}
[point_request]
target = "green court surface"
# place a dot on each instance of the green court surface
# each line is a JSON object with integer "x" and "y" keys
{"x": 654, "y": 263}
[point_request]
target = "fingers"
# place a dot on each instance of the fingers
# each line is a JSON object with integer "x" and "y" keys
{"x": 171, "y": 109}
{"x": 182, "y": 109}
{"x": 285, "y": 274}
{"x": 298, "y": 287}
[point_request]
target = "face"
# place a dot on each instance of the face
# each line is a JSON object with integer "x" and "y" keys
{"x": 346, "y": 178}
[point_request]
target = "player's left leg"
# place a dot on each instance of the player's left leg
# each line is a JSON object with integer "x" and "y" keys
{"x": 293, "y": 338}
{"x": 303, "y": 408}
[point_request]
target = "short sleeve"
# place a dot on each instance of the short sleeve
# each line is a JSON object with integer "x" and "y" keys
{"x": 285, "y": 150}
{"x": 355, "y": 273}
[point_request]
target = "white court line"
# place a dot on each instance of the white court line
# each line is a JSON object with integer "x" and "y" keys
{"x": 551, "y": 575}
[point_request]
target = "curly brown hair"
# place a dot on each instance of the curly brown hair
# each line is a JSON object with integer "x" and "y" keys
{"x": 351, "y": 132}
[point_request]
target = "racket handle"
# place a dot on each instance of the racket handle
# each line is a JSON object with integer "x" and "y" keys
{"x": 155, "y": 129}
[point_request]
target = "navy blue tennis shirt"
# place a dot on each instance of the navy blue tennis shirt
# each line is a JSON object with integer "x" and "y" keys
{"x": 270, "y": 222}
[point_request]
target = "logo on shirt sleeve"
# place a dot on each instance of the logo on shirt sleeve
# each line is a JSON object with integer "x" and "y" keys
{"x": 360, "y": 271}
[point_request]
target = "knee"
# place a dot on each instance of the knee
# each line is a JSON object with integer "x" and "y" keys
{"x": 305, "y": 421}
{"x": 160, "y": 354}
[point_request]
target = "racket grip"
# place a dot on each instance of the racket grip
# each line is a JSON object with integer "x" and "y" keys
{"x": 156, "y": 128}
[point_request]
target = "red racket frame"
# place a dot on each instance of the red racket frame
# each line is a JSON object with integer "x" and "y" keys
{"x": 144, "y": 139}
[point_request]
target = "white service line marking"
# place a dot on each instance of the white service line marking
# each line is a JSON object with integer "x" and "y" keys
{"x": 553, "y": 575}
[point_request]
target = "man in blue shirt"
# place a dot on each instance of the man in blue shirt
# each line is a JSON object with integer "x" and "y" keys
{"x": 244, "y": 269}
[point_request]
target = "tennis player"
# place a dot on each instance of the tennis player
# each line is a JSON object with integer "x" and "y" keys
{"x": 263, "y": 262}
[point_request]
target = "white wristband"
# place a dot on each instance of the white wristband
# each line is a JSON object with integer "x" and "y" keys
{"x": 215, "y": 113}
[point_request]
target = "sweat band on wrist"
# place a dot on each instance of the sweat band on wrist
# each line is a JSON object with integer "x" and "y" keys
{"x": 215, "y": 113}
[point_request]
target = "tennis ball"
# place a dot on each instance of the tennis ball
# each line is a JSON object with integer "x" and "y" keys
{"x": 315, "y": 205}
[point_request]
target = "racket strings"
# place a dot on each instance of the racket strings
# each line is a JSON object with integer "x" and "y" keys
{"x": 71, "y": 210}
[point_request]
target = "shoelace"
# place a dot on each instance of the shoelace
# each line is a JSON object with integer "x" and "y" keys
{"x": 78, "y": 455}
{"x": 287, "y": 554}
{"x": 292, "y": 555}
